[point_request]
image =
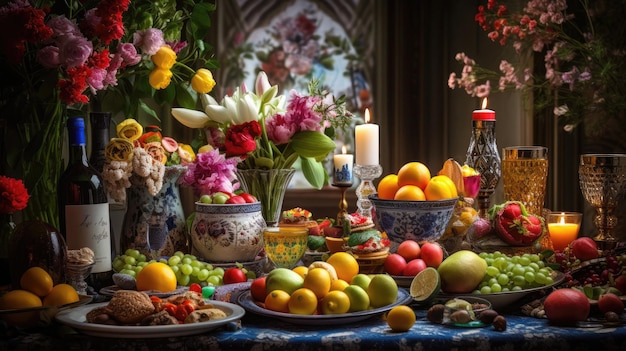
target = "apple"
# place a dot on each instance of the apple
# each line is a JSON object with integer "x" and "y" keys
{"x": 234, "y": 275}
{"x": 394, "y": 264}
{"x": 610, "y": 303}
{"x": 206, "y": 199}
{"x": 566, "y": 306}
{"x": 249, "y": 198}
{"x": 620, "y": 284}
{"x": 585, "y": 249}
{"x": 432, "y": 254}
{"x": 236, "y": 199}
{"x": 220, "y": 198}
{"x": 409, "y": 249}
{"x": 413, "y": 267}
{"x": 257, "y": 289}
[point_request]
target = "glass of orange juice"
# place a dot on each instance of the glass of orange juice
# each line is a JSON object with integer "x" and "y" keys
{"x": 563, "y": 228}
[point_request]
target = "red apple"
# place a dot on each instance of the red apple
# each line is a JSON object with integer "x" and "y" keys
{"x": 432, "y": 254}
{"x": 257, "y": 289}
{"x": 566, "y": 306}
{"x": 585, "y": 248}
{"x": 610, "y": 303}
{"x": 620, "y": 284}
{"x": 394, "y": 264}
{"x": 409, "y": 249}
{"x": 413, "y": 267}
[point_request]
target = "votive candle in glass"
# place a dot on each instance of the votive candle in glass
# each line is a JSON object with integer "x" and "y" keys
{"x": 563, "y": 228}
{"x": 342, "y": 174}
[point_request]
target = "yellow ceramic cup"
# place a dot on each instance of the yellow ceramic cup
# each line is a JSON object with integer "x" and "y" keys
{"x": 285, "y": 246}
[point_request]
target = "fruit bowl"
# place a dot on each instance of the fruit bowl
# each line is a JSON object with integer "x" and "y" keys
{"x": 412, "y": 220}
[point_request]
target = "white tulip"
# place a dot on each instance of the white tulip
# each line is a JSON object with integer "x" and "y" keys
{"x": 190, "y": 118}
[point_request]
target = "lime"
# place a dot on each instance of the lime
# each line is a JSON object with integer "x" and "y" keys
{"x": 425, "y": 286}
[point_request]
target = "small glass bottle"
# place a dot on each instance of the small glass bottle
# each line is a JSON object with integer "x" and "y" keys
{"x": 483, "y": 156}
{"x": 100, "y": 122}
{"x": 84, "y": 207}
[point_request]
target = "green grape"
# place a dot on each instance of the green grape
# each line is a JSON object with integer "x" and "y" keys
{"x": 130, "y": 260}
{"x": 141, "y": 258}
{"x": 173, "y": 261}
{"x": 194, "y": 271}
{"x": 518, "y": 270}
{"x": 129, "y": 272}
{"x": 492, "y": 271}
{"x": 496, "y": 288}
{"x": 485, "y": 290}
{"x": 524, "y": 261}
{"x": 187, "y": 260}
{"x": 516, "y": 288}
{"x": 179, "y": 254}
{"x": 186, "y": 269}
{"x": 214, "y": 280}
{"x": 118, "y": 264}
{"x": 132, "y": 253}
{"x": 175, "y": 268}
{"x": 184, "y": 280}
{"x": 197, "y": 264}
{"x": 534, "y": 266}
{"x": 203, "y": 274}
{"x": 540, "y": 278}
{"x": 503, "y": 279}
{"x": 529, "y": 277}
{"x": 519, "y": 280}
{"x": 219, "y": 271}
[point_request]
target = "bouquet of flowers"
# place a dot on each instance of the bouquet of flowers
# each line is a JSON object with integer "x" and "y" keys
{"x": 109, "y": 55}
{"x": 583, "y": 57}
{"x": 264, "y": 130}
{"x": 139, "y": 156}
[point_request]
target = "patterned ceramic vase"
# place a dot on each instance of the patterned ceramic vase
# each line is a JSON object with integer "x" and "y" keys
{"x": 227, "y": 232}
{"x": 155, "y": 225}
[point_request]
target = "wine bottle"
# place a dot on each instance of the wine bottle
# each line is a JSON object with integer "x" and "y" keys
{"x": 84, "y": 208}
{"x": 100, "y": 122}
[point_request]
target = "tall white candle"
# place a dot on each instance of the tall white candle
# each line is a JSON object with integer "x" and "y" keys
{"x": 343, "y": 168}
{"x": 366, "y": 140}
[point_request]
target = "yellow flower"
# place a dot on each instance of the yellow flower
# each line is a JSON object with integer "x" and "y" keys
{"x": 129, "y": 129}
{"x": 203, "y": 81}
{"x": 205, "y": 148}
{"x": 164, "y": 58}
{"x": 160, "y": 78}
{"x": 119, "y": 149}
{"x": 186, "y": 152}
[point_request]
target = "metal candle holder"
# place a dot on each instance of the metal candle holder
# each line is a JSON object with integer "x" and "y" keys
{"x": 367, "y": 173}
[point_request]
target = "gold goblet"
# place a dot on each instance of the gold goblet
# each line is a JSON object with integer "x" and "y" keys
{"x": 603, "y": 184}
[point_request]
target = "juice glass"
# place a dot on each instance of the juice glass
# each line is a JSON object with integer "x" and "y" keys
{"x": 524, "y": 176}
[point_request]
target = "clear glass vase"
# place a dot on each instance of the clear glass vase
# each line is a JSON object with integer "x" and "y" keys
{"x": 268, "y": 186}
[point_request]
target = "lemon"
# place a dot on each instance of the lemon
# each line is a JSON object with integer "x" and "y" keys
{"x": 18, "y": 299}
{"x": 335, "y": 302}
{"x": 359, "y": 299}
{"x": 339, "y": 284}
{"x": 401, "y": 318}
{"x": 37, "y": 281}
{"x": 61, "y": 294}
{"x": 425, "y": 286}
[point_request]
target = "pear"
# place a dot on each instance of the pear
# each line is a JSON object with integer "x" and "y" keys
{"x": 461, "y": 272}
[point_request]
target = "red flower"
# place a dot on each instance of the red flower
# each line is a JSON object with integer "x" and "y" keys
{"x": 13, "y": 195}
{"x": 241, "y": 138}
{"x": 21, "y": 25}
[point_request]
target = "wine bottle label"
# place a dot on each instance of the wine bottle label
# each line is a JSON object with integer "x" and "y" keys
{"x": 88, "y": 226}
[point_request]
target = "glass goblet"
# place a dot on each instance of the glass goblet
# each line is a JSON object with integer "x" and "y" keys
{"x": 603, "y": 184}
{"x": 285, "y": 246}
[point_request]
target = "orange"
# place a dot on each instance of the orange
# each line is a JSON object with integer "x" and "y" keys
{"x": 317, "y": 280}
{"x": 387, "y": 187}
{"x": 440, "y": 187}
{"x": 414, "y": 173}
{"x": 345, "y": 265}
{"x": 61, "y": 294}
{"x": 277, "y": 300}
{"x": 303, "y": 301}
{"x": 156, "y": 276}
{"x": 411, "y": 193}
{"x": 301, "y": 270}
{"x": 335, "y": 302}
{"x": 17, "y": 299}
{"x": 37, "y": 281}
{"x": 401, "y": 318}
{"x": 338, "y": 284}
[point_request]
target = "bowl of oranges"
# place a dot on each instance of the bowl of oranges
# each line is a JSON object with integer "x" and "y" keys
{"x": 413, "y": 205}
{"x": 37, "y": 300}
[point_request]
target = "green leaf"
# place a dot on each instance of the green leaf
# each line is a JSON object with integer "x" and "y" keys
{"x": 313, "y": 172}
{"x": 201, "y": 19}
{"x": 359, "y": 238}
{"x": 314, "y": 242}
{"x": 147, "y": 109}
{"x": 312, "y": 144}
{"x": 185, "y": 98}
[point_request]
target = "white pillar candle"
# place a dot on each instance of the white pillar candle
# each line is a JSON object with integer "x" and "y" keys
{"x": 343, "y": 168}
{"x": 366, "y": 140}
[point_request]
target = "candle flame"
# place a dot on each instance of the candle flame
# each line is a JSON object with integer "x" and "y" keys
{"x": 344, "y": 149}
{"x": 367, "y": 115}
{"x": 562, "y": 218}
{"x": 484, "y": 103}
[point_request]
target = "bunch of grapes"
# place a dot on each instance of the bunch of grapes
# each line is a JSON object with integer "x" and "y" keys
{"x": 513, "y": 273}
{"x": 188, "y": 268}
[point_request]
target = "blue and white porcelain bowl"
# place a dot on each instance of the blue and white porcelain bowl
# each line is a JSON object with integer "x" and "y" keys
{"x": 227, "y": 232}
{"x": 412, "y": 220}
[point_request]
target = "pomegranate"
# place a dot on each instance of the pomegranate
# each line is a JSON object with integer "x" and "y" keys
{"x": 566, "y": 306}
{"x": 610, "y": 303}
{"x": 585, "y": 248}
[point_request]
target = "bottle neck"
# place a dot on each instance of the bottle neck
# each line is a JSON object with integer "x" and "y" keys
{"x": 100, "y": 122}
{"x": 78, "y": 150}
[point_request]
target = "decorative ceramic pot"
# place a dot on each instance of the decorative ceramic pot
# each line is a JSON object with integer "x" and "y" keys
{"x": 155, "y": 225}
{"x": 227, "y": 232}
{"x": 269, "y": 187}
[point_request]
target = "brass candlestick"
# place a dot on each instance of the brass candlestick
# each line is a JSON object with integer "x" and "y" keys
{"x": 343, "y": 203}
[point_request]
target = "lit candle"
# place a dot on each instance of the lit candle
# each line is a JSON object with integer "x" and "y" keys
{"x": 343, "y": 167}
{"x": 366, "y": 140}
{"x": 562, "y": 233}
{"x": 484, "y": 114}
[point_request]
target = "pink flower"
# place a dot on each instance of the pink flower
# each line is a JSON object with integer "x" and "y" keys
{"x": 128, "y": 53}
{"x": 149, "y": 40}
{"x": 63, "y": 27}
{"x": 211, "y": 172}
{"x": 49, "y": 57}
{"x": 96, "y": 79}
{"x": 75, "y": 51}
{"x": 279, "y": 130}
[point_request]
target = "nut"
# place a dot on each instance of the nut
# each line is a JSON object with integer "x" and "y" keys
{"x": 460, "y": 316}
{"x": 487, "y": 316}
{"x": 499, "y": 323}
{"x": 435, "y": 313}
{"x": 611, "y": 317}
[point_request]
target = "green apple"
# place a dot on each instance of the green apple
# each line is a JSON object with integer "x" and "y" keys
{"x": 283, "y": 279}
{"x": 382, "y": 290}
{"x": 359, "y": 300}
{"x": 206, "y": 199}
{"x": 363, "y": 280}
{"x": 220, "y": 198}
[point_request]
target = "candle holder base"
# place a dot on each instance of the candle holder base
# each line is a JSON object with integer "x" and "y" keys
{"x": 366, "y": 188}
{"x": 343, "y": 203}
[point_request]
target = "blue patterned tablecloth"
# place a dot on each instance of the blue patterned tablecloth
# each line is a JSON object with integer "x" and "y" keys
{"x": 263, "y": 333}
